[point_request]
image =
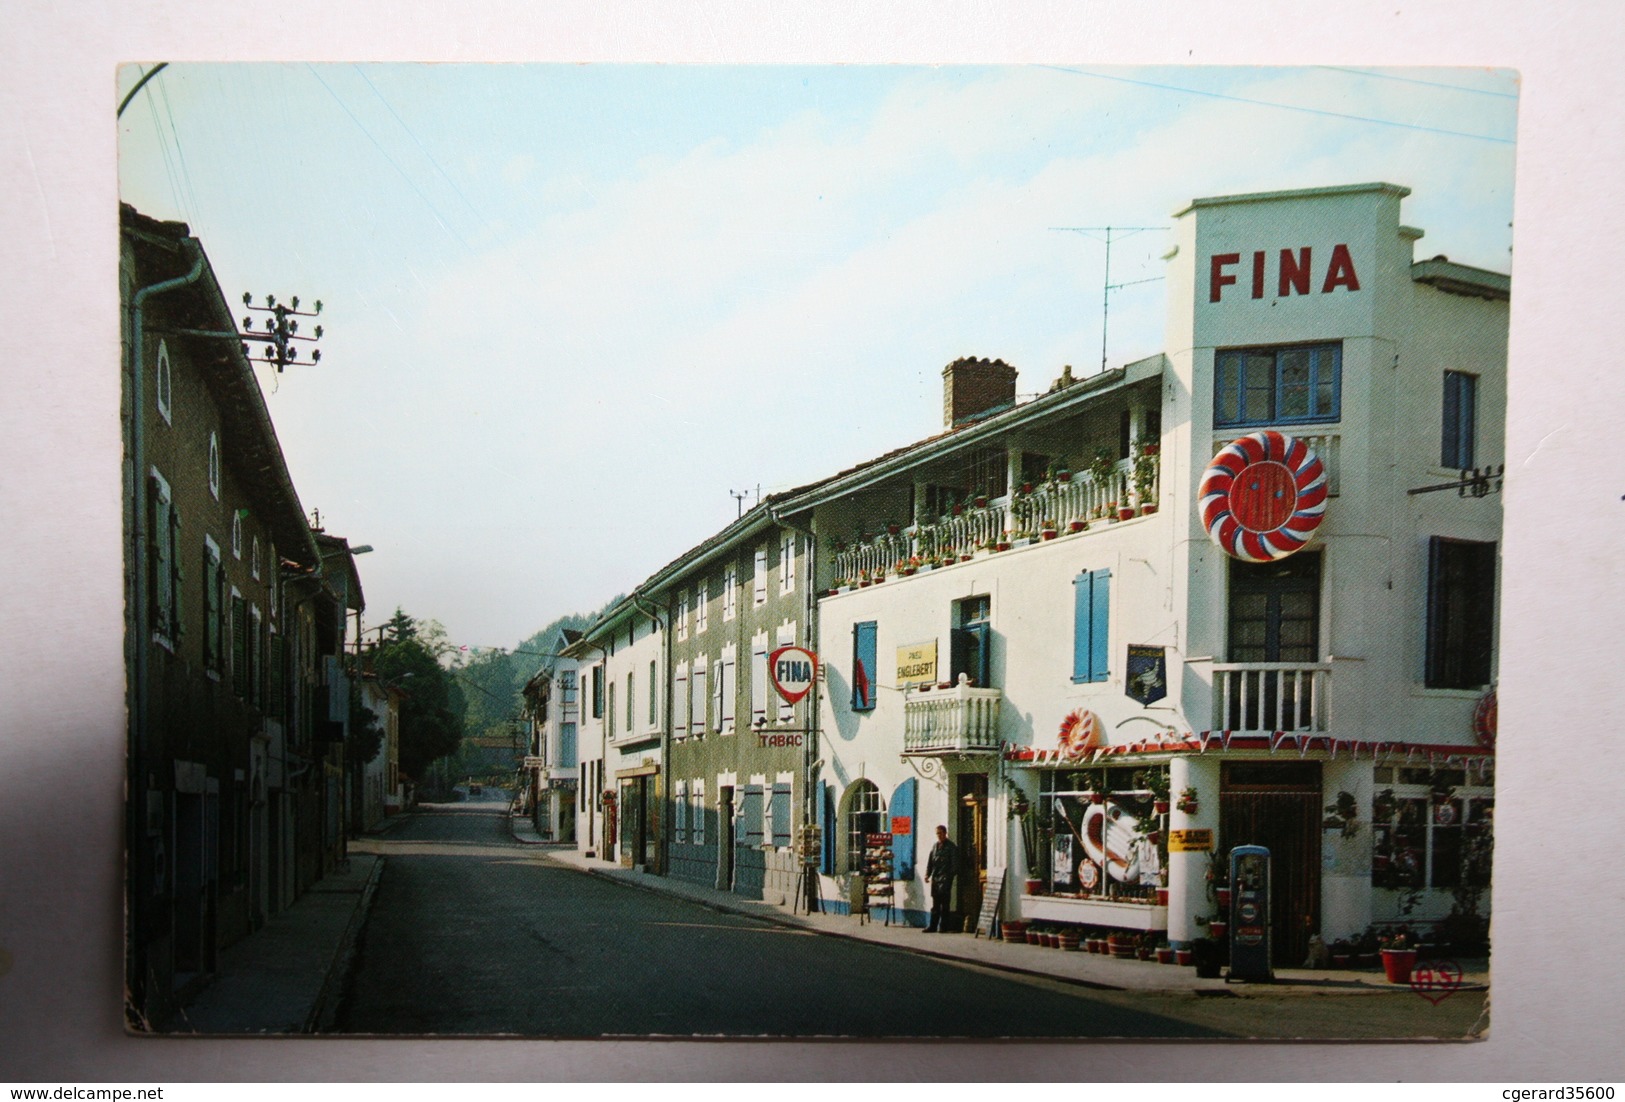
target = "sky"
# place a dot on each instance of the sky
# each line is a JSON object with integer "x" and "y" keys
{"x": 570, "y": 310}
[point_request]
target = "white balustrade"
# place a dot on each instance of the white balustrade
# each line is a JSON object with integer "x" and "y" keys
{"x": 1264, "y": 697}
{"x": 953, "y": 720}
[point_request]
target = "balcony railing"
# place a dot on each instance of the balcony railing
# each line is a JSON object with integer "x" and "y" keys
{"x": 1072, "y": 505}
{"x": 1327, "y": 444}
{"x": 1262, "y": 697}
{"x": 949, "y": 721}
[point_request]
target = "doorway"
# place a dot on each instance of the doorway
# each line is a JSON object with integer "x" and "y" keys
{"x": 1278, "y": 806}
{"x": 1274, "y": 617}
{"x": 971, "y": 792}
{"x": 725, "y": 838}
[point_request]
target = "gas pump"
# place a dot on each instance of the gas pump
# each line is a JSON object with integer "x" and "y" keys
{"x": 1250, "y": 914}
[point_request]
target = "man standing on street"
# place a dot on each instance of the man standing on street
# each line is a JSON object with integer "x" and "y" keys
{"x": 940, "y": 869}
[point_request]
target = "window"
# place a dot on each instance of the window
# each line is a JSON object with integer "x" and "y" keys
{"x": 730, "y": 583}
{"x": 787, "y": 563}
{"x": 239, "y": 644}
{"x": 598, "y": 691}
{"x": 1460, "y": 420}
{"x": 237, "y": 534}
{"x": 697, "y": 811}
{"x": 1430, "y": 830}
{"x": 254, "y": 656}
{"x": 275, "y": 685}
{"x": 631, "y": 704}
{"x": 679, "y": 825}
{"x": 751, "y": 815}
{"x": 254, "y": 558}
{"x": 1270, "y": 386}
{"x": 214, "y": 465}
{"x": 759, "y": 587}
{"x": 275, "y": 567}
{"x": 214, "y": 608}
{"x": 697, "y": 698}
{"x": 727, "y": 679}
{"x": 679, "y": 701}
{"x": 758, "y": 678}
{"x": 970, "y": 642}
{"x": 164, "y": 564}
{"x": 863, "y": 666}
{"x": 1091, "y": 626}
{"x": 682, "y": 615}
{"x": 654, "y": 696}
{"x": 161, "y": 383}
{"x": 567, "y": 746}
{"x": 787, "y": 638}
{"x": 1461, "y": 613}
{"x": 702, "y": 597}
{"x": 778, "y": 812}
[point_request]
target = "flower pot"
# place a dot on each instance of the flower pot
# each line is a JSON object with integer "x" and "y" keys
{"x": 1001, "y": 546}
{"x": 1165, "y": 956}
{"x": 1069, "y": 940}
{"x": 1150, "y": 449}
{"x": 1184, "y": 957}
{"x": 966, "y": 557}
{"x": 891, "y": 529}
{"x": 1063, "y": 476}
{"x": 1144, "y": 952}
{"x": 1162, "y": 897}
{"x": 1219, "y": 930}
{"x": 1033, "y": 937}
{"x": 1147, "y": 510}
{"x": 1075, "y": 526}
{"x": 981, "y": 501}
{"x": 1224, "y": 899}
{"x": 1034, "y": 885}
{"x": 1121, "y": 950}
{"x": 1015, "y": 930}
{"x": 1048, "y": 534}
{"x": 1093, "y": 944}
{"x": 1340, "y": 960}
{"x": 1397, "y": 964}
{"x": 1026, "y": 487}
{"x": 1161, "y": 806}
{"x": 1125, "y": 513}
{"x": 865, "y": 584}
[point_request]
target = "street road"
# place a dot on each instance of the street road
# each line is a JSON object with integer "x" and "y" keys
{"x": 474, "y": 933}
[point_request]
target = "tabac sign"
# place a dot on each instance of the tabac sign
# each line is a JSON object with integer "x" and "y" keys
{"x": 793, "y": 670}
{"x": 917, "y": 664}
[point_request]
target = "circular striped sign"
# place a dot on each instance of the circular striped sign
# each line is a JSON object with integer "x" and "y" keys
{"x": 1080, "y": 732}
{"x": 1263, "y": 496}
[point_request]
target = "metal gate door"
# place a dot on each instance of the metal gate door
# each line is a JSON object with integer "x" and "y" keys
{"x": 1278, "y": 806}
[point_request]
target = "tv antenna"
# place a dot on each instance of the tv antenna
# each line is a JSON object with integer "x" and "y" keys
{"x": 1109, "y": 286}
{"x": 739, "y": 497}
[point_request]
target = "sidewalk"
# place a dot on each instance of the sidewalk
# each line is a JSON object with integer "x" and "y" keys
{"x": 1077, "y": 967}
{"x": 286, "y": 976}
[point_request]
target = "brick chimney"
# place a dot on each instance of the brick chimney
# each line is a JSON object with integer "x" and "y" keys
{"x": 973, "y": 388}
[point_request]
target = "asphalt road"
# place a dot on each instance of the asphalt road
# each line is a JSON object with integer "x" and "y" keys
{"x": 474, "y": 933}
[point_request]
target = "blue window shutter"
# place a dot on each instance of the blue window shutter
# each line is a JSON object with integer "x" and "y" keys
{"x": 1082, "y": 622}
{"x": 826, "y": 856}
{"x": 863, "y": 666}
{"x": 1100, "y": 622}
{"x": 902, "y": 845}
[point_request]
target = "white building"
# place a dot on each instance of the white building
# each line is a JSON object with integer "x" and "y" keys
{"x": 553, "y": 706}
{"x": 1329, "y": 703}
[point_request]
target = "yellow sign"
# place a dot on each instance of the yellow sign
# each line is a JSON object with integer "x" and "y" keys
{"x": 917, "y": 664}
{"x": 1190, "y": 841}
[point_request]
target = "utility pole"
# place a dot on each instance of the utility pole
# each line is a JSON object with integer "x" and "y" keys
{"x": 281, "y": 330}
{"x": 1109, "y": 286}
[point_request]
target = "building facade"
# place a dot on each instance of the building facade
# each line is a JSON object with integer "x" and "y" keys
{"x": 233, "y": 632}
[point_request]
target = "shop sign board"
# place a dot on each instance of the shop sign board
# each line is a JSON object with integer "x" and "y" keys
{"x": 1147, "y": 678}
{"x": 917, "y": 664}
{"x": 902, "y": 824}
{"x": 793, "y": 671}
{"x": 1194, "y": 840}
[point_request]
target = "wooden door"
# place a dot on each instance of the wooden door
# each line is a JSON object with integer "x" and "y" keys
{"x": 1278, "y": 805}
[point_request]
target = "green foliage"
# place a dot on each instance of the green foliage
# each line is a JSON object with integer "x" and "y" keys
{"x": 366, "y": 733}
{"x": 430, "y": 717}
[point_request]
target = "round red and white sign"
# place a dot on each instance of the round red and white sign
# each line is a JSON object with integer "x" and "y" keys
{"x": 793, "y": 671}
{"x": 1263, "y": 496}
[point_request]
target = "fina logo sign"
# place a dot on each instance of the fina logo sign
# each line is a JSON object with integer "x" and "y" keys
{"x": 793, "y": 670}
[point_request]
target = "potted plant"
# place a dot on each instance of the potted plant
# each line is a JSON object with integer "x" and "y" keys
{"x": 1068, "y": 938}
{"x": 1342, "y": 951}
{"x": 1102, "y": 468}
{"x": 1145, "y": 946}
{"x": 1145, "y": 478}
{"x": 1047, "y": 528}
{"x": 1014, "y": 930}
{"x": 1076, "y": 525}
{"x": 1125, "y": 511}
{"x": 1188, "y": 802}
{"x": 1121, "y": 944}
{"x": 1343, "y": 815}
{"x": 1184, "y": 956}
{"x": 1165, "y": 953}
{"x": 1398, "y": 955}
{"x": 864, "y": 580}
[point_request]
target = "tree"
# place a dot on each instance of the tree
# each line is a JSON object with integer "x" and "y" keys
{"x": 366, "y": 734}
{"x": 431, "y": 705}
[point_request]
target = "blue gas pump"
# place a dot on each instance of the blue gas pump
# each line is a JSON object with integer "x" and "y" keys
{"x": 1250, "y": 915}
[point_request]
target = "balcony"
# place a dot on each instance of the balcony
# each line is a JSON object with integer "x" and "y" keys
{"x": 1264, "y": 697}
{"x": 1325, "y": 443}
{"x": 1073, "y": 505}
{"x": 959, "y": 720}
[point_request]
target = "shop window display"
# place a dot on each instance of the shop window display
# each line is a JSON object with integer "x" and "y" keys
{"x": 1100, "y": 833}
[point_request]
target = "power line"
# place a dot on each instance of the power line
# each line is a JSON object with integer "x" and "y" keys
{"x": 1423, "y": 83}
{"x": 1282, "y": 106}
{"x": 393, "y": 163}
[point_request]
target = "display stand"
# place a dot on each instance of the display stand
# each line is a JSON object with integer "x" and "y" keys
{"x": 810, "y": 847}
{"x": 877, "y": 875}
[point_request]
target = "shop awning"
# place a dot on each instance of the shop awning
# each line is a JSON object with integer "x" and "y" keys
{"x": 1277, "y": 742}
